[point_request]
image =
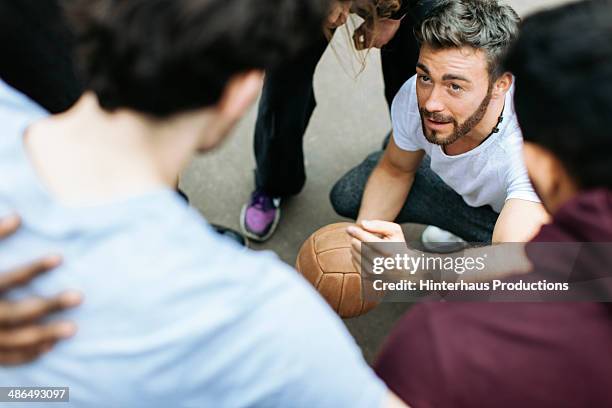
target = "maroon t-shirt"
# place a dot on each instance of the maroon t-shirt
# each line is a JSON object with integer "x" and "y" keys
{"x": 510, "y": 354}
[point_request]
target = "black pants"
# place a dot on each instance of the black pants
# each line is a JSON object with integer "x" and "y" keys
{"x": 288, "y": 101}
{"x": 36, "y": 53}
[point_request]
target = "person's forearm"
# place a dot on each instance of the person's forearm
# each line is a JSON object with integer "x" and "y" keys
{"x": 385, "y": 194}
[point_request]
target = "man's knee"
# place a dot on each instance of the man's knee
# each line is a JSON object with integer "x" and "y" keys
{"x": 346, "y": 194}
{"x": 345, "y": 197}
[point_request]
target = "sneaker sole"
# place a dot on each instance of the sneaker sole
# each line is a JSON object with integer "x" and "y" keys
{"x": 253, "y": 236}
{"x": 441, "y": 247}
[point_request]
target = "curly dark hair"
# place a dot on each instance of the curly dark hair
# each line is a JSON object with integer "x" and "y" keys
{"x": 488, "y": 25}
{"x": 162, "y": 57}
{"x": 562, "y": 63}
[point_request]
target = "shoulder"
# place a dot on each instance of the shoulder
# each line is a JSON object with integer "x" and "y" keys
{"x": 509, "y": 144}
{"x": 241, "y": 300}
{"x": 511, "y": 140}
{"x": 16, "y": 112}
{"x": 512, "y": 169}
{"x": 181, "y": 245}
{"x": 14, "y": 102}
{"x": 182, "y": 235}
{"x": 406, "y": 119}
{"x": 406, "y": 96}
{"x": 403, "y": 350}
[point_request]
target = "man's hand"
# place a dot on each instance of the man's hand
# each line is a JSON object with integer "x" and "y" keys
{"x": 339, "y": 14}
{"x": 22, "y": 337}
{"x": 373, "y": 231}
{"x": 368, "y": 36}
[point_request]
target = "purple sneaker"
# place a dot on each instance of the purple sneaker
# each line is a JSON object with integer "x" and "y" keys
{"x": 260, "y": 216}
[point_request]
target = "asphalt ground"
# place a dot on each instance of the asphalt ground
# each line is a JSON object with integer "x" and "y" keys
{"x": 350, "y": 121}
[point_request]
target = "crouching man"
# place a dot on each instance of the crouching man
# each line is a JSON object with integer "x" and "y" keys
{"x": 454, "y": 160}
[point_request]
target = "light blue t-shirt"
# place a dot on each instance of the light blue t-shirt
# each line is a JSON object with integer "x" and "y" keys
{"x": 174, "y": 315}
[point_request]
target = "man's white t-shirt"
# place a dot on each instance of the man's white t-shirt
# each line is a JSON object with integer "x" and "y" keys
{"x": 490, "y": 174}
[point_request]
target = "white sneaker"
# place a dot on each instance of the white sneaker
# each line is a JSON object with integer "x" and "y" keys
{"x": 438, "y": 240}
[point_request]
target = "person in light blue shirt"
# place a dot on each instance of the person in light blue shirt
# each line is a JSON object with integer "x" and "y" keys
{"x": 173, "y": 314}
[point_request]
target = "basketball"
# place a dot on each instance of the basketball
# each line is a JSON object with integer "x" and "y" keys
{"x": 325, "y": 261}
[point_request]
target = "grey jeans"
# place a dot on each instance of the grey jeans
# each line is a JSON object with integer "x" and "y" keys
{"x": 430, "y": 202}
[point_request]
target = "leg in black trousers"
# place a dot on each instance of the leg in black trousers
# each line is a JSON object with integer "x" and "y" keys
{"x": 285, "y": 108}
{"x": 399, "y": 57}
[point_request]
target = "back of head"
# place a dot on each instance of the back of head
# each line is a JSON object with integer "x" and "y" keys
{"x": 563, "y": 66}
{"x": 486, "y": 25}
{"x": 162, "y": 57}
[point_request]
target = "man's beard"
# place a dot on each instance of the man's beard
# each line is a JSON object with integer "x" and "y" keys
{"x": 459, "y": 130}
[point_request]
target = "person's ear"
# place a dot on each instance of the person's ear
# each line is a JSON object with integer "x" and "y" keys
{"x": 239, "y": 94}
{"x": 502, "y": 85}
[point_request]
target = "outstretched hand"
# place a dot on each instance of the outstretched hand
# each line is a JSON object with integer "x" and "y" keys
{"x": 373, "y": 231}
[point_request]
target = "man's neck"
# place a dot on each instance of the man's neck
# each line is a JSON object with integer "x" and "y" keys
{"x": 481, "y": 132}
{"x": 88, "y": 156}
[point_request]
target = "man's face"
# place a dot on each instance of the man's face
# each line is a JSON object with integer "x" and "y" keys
{"x": 453, "y": 92}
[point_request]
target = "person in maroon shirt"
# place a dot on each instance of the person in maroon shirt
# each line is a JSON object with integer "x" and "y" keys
{"x": 534, "y": 354}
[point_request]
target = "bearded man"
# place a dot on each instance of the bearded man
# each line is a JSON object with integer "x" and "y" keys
{"x": 455, "y": 159}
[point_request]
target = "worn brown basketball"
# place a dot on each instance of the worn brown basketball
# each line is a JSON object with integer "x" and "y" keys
{"x": 325, "y": 261}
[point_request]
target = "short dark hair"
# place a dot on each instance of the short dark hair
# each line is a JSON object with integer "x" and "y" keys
{"x": 487, "y": 25}
{"x": 562, "y": 63}
{"x": 162, "y": 57}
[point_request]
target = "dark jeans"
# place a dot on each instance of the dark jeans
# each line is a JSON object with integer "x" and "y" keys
{"x": 430, "y": 202}
{"x": 287, "y": 103}
{"x": 285, "y": 107}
